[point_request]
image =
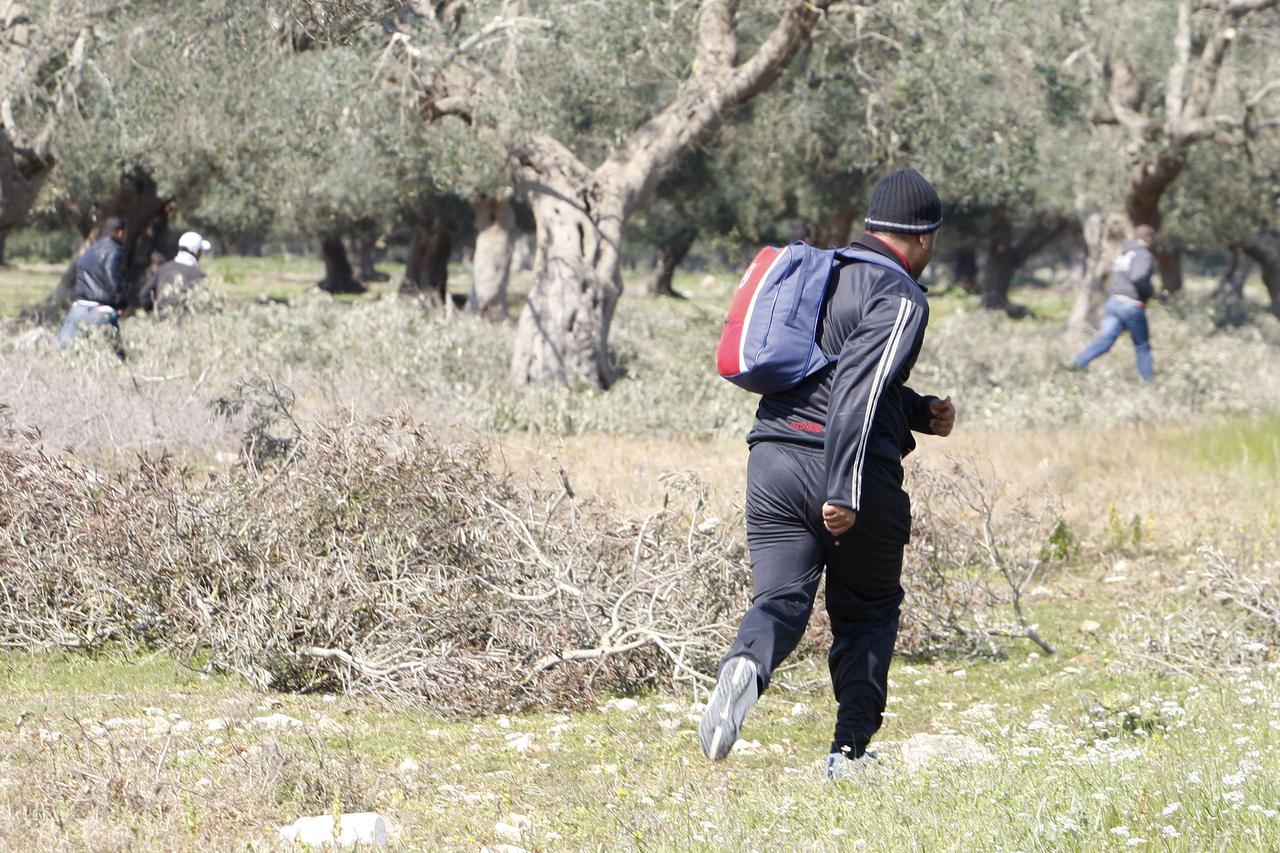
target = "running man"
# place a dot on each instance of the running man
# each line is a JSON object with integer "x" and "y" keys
{"x": 824, "y": 484}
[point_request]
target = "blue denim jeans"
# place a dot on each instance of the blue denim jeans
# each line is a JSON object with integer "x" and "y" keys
{"x": 1122, "y": 315}
{"x": 84, "y": 314}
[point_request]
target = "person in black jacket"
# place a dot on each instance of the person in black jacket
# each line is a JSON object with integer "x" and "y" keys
{"x": 824, "y": 484}
{"x": 1131, "y": 290}
{"x": 99, "y": 286}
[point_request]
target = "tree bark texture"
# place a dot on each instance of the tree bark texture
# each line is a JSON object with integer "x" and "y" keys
{"x": 1104, "y": 234}
{"x": 1264, "y": 247}
{"x": 338, "y": 275}
{"x": 491, "y": 265}
{"x": 426, "y": 272}
{"x": 563, "y": 331}
{"x": 147, "y": 237}
{"x": 669, "y": 258}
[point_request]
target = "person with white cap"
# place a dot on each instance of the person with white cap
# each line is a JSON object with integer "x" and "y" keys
{"x": 177, "y": 275}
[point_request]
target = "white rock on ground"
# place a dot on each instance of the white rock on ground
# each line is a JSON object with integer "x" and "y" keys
{"x": 519, "y": 742}
{"x": 276, "y": 722}
{"x": 626, "y": 705}
{"x": 513, "y": 827}
{"x": 921, "y": 751}
{"x": 352, "y": 829}
{"x": 1088, "y": 626}
{"x": 409, "y": 766}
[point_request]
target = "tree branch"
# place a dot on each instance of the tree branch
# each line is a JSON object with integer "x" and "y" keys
{"x": 702, "y": 103}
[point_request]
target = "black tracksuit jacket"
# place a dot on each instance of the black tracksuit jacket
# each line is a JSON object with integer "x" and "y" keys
{"x": 873, "y": 321}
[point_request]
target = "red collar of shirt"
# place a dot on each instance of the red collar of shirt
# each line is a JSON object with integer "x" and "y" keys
{"x": 901, "y": 258}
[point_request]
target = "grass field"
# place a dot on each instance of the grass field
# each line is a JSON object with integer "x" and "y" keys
{"x": 1112, "y": 743}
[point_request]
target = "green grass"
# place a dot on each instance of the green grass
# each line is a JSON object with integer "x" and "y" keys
{"x": 1090, "y": 752}
{"x": 1240, "y": 445}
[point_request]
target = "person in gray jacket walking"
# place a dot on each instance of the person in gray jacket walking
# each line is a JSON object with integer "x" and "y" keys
{"x": 1131, "y": 290}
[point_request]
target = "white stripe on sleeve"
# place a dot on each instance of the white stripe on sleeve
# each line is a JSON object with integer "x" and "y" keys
{"x": 881, "y": 377}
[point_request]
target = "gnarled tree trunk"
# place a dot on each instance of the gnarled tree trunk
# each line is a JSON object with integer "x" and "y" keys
{"x": 491, "y": 266}
{"x": 669, "y": 257}
{"x": 426, "y": 272}
{"x": 338, "y": 276}
{"x": 564, "y": 329}
{"x": 563, "y": 332}
{"x": 1104, "y": 235}
{"x": 22, "y": 174}
{"x": 1264, "y": 247}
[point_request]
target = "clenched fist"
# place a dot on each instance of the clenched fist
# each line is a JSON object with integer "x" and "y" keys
{"x": 944, "y": 416}
{"x": 837, "y": 519}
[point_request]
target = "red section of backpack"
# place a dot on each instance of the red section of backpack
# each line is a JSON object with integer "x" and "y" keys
{"x": 729, "y": 356}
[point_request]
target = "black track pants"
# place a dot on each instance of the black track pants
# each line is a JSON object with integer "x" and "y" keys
{"x": 789, "y": 550}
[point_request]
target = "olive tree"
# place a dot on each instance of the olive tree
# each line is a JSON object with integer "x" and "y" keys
{"x": 1160, "y": 69}
{"x": 567, "y": 89}
{"x": 42, "y": 57}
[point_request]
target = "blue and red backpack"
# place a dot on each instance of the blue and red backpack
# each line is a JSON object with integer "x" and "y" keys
{"x": 770, "y": 338}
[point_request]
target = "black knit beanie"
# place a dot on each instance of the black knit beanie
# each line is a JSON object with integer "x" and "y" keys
{"x": 906, "y": 203}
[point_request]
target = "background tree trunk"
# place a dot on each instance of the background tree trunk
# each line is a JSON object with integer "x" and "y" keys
{"x": 1104, "y": 234}
{"x": 670, "y": 257}
{"x": 1007, "y": 255}
{"x": 996, "y": 276}
{"x": 1231, "y": 285}
{"x": 366, "y": 262}
{"x": 147, "y": 237}
{"x": 837, "y": 228}
{"x": 22, "y": 174}
{"x": 491, "y": 266}
{"x": 338, "y": 277}
{"x": 1264, "y": 248}
{"x": 426, "y": 271}
{"x": 964, "y": 269}
{"x": 563, "y": 331}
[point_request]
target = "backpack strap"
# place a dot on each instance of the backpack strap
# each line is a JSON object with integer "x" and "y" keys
{"x": 867, "y": 256}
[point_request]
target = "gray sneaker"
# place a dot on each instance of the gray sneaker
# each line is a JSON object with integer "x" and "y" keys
{"x": 736, "y": 693}
{"x": 842, "y": 768}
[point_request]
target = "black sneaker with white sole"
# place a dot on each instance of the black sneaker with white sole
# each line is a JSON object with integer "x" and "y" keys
{"x": 736, "y": 693}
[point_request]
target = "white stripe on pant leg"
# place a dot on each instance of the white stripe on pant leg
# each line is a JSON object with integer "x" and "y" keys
{"x": 879, "y": 380}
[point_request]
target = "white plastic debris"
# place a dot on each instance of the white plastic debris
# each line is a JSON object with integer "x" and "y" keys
{"x": 351, "y": 829}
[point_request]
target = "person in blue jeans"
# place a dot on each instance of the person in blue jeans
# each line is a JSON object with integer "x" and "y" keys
{"x": 1131, "y": 290}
